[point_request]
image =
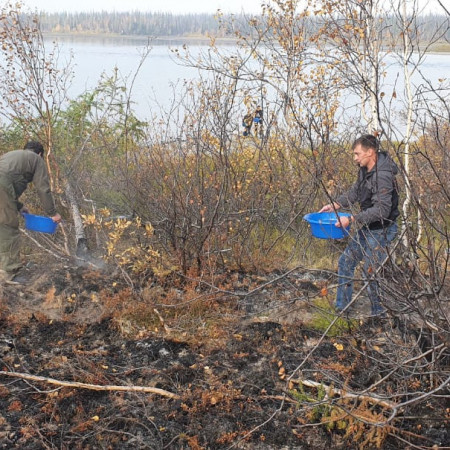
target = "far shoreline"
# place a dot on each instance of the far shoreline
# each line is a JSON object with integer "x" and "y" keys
{"x": 437, "y": 47}
{"x": 150, "y": 39}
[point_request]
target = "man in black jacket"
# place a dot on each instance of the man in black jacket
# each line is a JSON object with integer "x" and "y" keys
{"x": 376, "y": 192}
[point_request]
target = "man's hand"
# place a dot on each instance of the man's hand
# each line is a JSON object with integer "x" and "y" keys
{"x": 56, "y": 218}
{"x": 344, "y": 221}
{"x": 330, "y": 207}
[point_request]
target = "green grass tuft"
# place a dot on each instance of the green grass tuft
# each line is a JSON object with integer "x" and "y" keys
{"x": 324, "y": 315}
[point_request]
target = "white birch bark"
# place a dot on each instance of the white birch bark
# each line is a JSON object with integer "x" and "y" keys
{"x": 409, "y": 112}
{"x": 80, "y": 235}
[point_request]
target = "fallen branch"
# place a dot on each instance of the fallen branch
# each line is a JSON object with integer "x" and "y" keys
{"x": 343, "y": 394}
{"x": 29, "y": 236}
{"x": 92, "y": 387}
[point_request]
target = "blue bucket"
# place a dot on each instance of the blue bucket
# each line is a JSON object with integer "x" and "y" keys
{"x": 323, "y": 225}
{"x": 39, "y": 223}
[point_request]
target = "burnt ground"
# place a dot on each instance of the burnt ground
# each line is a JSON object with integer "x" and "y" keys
{"x": 232, "y": 361}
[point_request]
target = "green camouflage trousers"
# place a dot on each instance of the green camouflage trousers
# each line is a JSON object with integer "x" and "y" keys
{"x": 9, "y": 229}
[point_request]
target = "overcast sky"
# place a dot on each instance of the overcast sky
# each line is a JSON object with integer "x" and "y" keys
{"x": 173, "y": 6}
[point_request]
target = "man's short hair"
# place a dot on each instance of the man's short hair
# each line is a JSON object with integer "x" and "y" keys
{"x": 367, "y": 141}
{"x": 35, "y": 147}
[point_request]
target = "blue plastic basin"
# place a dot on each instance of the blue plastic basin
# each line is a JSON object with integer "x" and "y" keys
{"x": 323, "y": 225}
{"x": 39, "y": 223}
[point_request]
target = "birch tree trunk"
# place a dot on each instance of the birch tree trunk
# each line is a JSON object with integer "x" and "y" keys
{"x": 409, "y": 112}
{"x": 80, "y": 235}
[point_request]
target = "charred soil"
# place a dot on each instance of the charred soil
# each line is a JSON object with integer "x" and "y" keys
{"x": 230, "y": 358}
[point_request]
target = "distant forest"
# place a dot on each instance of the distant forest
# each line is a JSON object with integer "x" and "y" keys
{"x": 172, "y": 25}
{"x": 133, "y": 23}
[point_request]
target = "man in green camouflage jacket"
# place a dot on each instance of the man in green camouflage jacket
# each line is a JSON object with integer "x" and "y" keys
{"x": 18, "y": 168}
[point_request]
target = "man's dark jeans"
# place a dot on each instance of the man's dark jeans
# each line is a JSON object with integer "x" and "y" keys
{"x": 369, "y": 246}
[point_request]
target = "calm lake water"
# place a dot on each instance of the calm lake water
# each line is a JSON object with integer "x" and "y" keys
{"x": 160, "y": 73}
{"x": 156, "y": 80}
